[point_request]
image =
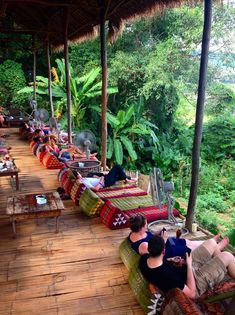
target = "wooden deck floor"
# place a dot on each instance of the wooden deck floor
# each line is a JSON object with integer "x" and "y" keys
{"x": 77, "y": 271}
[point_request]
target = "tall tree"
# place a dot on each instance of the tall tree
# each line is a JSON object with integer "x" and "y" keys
{"x": 199, "y": 113}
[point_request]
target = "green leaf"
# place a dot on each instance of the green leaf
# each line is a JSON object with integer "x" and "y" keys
{"x": 110, "y": 148}
{"x": 112, "y": 120}
{"x": 128, "y": 145}
{"x": 27, "y": 89}
{"x": 118, "y": 151}
{"x": 128, "y": 115}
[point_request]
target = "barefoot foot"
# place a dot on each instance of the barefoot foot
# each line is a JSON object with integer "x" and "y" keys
{"x": 217, "y": 237}
{"x": 222, "y": 244}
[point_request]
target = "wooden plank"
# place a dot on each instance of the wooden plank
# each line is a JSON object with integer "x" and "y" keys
{"x": 77, "y": 271}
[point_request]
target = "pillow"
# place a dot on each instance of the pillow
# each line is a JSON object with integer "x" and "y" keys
{"x": 77, "y": 190}
{"x": 90, "y": 203}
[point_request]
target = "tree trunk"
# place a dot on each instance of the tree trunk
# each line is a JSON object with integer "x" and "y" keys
{"x": 67, "y": 74}
{"x": 103, "y": 52}
{"x": 49, "y": 79}
{"x": 34, "y": 74}
{"x": 199, "y": 113}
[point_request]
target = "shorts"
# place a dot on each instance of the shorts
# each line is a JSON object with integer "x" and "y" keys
{"x": 208, "y": 271}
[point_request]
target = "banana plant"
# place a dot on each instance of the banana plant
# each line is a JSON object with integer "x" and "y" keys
{"x": 125, "y": 132}
{"x": 83, "y": 89}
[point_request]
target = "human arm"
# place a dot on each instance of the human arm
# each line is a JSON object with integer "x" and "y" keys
{"x": 190, "y": 286}
{"x": 143, "y": 248}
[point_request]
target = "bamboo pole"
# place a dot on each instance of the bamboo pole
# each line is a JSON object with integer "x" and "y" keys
{"x": 49, "y": 78}
{"x": 199, "y": 113}
{"x": 67, "y": 74}
{"x": 103, "y": 53}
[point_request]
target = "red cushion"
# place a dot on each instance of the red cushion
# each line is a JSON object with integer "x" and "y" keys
{"x": 51, "y": 162}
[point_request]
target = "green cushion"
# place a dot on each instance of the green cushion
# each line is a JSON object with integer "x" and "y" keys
{"x": 90, "y": 203}
{"x": 128, "y": 256}
{"x": 140, "y": 287}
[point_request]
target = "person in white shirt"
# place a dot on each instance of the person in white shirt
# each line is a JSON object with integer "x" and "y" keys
{"x": 96, "y": 181}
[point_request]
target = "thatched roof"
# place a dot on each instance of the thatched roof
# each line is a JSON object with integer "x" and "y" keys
{"x": 46, "y": 18}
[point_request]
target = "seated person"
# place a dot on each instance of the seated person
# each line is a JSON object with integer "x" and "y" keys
{"x": 140, "y": 236}
{"x": 50, "y": 145}
{"x": 73, "y": 152}
{"x": 204, "y": 268}
{"x": 38, "y": 133}
{"x": 96, "y": 181}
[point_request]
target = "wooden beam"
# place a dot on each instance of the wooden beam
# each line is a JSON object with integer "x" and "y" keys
{"x": 199, "y": 113}
{"x": 67, "y": 74}
{"x": 103, "y": 53}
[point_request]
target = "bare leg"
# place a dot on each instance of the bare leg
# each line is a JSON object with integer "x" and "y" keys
{"x": 194, "y": 244}
{"x": 229, "y": 261}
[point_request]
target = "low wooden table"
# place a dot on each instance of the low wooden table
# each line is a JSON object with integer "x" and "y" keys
{"x": 13, "y": 172}
{"x": 24, "y": 207}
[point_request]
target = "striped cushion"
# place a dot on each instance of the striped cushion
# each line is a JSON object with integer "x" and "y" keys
{"x": 31, "y": 144}
{"x": 77, "y": 190}
{"x": 90, "y": 203}
{"x": 140, "y": 287}
{"x": 51, "y": 162}
{"x": 112, "y": 217}
{"x": 128, "y": 256}
{"x": 62, "y": 171}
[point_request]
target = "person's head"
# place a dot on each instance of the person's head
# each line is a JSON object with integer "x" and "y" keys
{"x": 137, "y": 222}
{"x": 156, "y": 246}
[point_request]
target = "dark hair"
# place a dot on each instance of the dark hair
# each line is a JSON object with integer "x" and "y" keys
{"x": 36, "y": 131}
{"x": 155, "y": 246}
{"x": 137, "y": 222}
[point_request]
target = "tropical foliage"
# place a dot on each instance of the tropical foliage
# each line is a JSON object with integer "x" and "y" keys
{"x": 151, "y": 113}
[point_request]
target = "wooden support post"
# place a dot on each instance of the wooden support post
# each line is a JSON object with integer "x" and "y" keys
{"x": 49, "y": 78}
{"x": 103, "y": 52}
{"x": 67, "y": 74}
{"x": 199, "y": 113}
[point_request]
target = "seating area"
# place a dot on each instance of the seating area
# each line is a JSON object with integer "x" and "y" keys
{"x": 175, "y": 302}
{"x": 77, "y": 270}
{"x": 115, "y": 205}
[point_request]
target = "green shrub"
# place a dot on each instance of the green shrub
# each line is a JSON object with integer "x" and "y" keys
{"x": 209, "y": 221}
{"x": 211, "y": 201}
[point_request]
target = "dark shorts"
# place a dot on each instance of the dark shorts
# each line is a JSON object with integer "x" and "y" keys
{"x": 208, "y": 271}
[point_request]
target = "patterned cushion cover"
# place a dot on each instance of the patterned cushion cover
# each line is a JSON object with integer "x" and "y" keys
{"x": 51, "y": 162}
{"x": 90, "y": 203}
{"x": 31, "y": 144}
{"x": 128, "y": 256}
{"x": 62, "y": 171}
{"x": 116, "y": 212}
{"x": 112, "y": 217}
{"x": 40, "y": 155}
{"x": 140, "y": 287}
{"x": 77, "y": 190}
{"x": 35, "y": 147}
{"x": 177, "y": 303}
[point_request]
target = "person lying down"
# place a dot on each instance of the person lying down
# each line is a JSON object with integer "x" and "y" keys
{"x": 96, "y": 181}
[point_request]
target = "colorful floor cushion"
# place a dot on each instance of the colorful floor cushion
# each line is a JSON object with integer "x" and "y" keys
{"x": 127, "y": 254}
{"x": 121, "y": 204}
{"x": 77, "y": 190}
{"x": 50, "y": 161}
{"x": 90, "y": 203}
{"x": 31, "y": 144}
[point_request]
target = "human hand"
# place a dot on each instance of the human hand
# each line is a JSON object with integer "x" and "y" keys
{"x": 164, "y": 235}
